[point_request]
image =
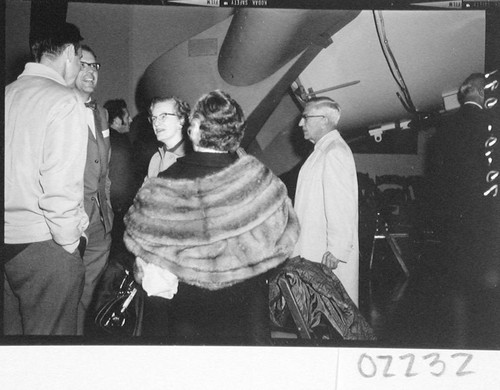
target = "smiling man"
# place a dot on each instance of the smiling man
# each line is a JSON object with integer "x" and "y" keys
{"x": 169, "y": 118}
{"x": 96, "y": 183}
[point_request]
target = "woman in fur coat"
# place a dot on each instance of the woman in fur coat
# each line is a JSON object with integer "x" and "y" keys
{"x": 217, "y": 223}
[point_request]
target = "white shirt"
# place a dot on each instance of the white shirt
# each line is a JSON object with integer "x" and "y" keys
{"x": 89, "y": 115}
{"x": 160, "y": 161}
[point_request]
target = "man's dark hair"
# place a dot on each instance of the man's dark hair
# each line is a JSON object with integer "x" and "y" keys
{"x": 116, "y": 109}
{"x": 87, "y": 48}
{"x": 54, "y": 39}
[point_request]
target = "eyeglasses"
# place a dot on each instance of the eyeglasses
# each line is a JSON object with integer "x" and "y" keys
{"x": 306, "y": 117}
{"x": 162, "y": 117}
{"x": 94, "y": 65}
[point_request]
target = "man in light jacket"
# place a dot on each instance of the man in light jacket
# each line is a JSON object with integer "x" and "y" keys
{"x": 45, "y": 151}
{"x": 326, "y": 198}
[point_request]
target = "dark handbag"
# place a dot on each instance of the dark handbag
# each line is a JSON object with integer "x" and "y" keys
{"x": 122, "y": 315}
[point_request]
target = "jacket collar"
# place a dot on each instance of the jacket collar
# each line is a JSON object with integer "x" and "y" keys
{"x": 209, "y": 159}
{"x": 40, "y": 70}
{"x": 327, "y": 139}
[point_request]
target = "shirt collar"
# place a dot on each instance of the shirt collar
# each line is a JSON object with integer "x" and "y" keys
{"x": 177, "y": 150}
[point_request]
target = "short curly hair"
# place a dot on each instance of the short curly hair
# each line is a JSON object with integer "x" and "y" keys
{"x": 222, "y": 121}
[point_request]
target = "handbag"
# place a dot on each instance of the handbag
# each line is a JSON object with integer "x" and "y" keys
{"x": 122, "y": 314}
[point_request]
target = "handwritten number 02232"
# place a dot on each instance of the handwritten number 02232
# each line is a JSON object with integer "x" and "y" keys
{"x": 367, "y": 366}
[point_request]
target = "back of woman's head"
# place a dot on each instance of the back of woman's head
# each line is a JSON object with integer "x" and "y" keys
{"x": 222, "y": 122}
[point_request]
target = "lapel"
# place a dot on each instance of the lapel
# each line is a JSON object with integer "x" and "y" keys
{"x": 102, "y": 143}
{"x": 103, "y": 147}
{"x": 91, "y": 136}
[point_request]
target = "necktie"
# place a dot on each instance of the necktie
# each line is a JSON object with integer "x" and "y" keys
{"x": 92, "y": 105}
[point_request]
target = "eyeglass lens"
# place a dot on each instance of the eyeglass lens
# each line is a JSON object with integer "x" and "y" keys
{"x": 162, "y": 117}
{"x": 94, "y": 65}
{"x": 312, "y": 116}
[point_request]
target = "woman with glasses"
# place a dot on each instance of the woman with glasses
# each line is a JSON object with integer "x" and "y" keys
{"x": 217, "y": 222}
{"x": 169, "y": 118}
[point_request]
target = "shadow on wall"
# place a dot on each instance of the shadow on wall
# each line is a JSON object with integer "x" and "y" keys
{"x": 300, "y": 145}
{"x": 301, "y": 148}
{"x": 141, "y": 102}
{"x": 144, "y": 142}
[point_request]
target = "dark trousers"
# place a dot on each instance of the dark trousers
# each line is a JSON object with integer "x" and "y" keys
{"x": 42, "y": 287}
{"x": 95, "y": 260}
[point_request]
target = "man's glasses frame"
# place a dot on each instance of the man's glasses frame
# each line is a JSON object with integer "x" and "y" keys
{"x": 93, "y": 65}
{"x": 305, "y": 117}
{"x": 162, "y": 117}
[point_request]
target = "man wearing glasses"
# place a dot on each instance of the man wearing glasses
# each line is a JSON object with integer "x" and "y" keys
{"x": 169, "y": 118}
{"x": 326, "y": 198}
{"x": 96, "y": 183}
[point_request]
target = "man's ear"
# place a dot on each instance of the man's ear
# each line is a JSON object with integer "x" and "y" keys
{"x": 70, "y": 52}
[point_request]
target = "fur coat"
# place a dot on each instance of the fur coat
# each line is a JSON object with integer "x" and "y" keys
{"x": 214, "y": 231}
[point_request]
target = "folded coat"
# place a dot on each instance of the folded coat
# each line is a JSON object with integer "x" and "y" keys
{"x": 320, "y": 298}
{"x": 214, "y": 231}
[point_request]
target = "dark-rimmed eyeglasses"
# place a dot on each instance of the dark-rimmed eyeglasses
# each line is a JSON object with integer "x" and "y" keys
{"x": 93, "y": 65}
{"x": 306, "y": 117}
{"x": 162, "y": 117}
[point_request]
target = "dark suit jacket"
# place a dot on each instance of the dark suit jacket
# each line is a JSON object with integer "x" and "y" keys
{"x": 462, "y": 162}
{"x": 96, "y": 181}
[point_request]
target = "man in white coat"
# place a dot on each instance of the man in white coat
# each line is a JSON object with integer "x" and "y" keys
{"x": 326, "y": 198}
